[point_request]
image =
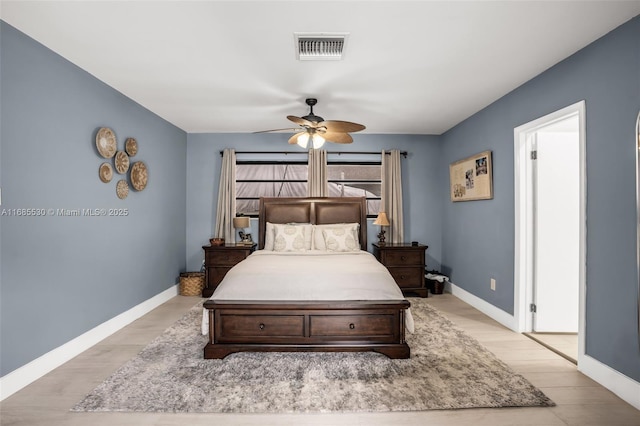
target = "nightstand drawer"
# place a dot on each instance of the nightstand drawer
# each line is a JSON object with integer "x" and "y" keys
{"x": 403, "y": 257}
{"x": 225, "y": 257}
{"x": 407, "y": 277}
{"x": 216, "y": 274}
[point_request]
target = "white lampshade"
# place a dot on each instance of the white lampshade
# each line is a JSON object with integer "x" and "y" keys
{"x": 241, "y": 222}
{"x": 318, "y": 141}
{"x": 303, "y": 140}
{"x": 381, "y": 219}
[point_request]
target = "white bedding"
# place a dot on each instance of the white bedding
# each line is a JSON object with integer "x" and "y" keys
{"x": 310, "y": 275}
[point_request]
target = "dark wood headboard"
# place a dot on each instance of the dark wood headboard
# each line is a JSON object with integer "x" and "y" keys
{"x": 315, "y": 210}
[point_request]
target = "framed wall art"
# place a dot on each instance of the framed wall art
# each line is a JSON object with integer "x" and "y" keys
{"x": 471, "y": 178}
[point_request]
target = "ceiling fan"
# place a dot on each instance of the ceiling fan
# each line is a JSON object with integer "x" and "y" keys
{"x": 319, "y": 130}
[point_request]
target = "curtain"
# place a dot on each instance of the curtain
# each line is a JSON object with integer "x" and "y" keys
{"x": 226, "y": 210}
{"x": 317, "y": 180}
{"x": 392, "y": 195}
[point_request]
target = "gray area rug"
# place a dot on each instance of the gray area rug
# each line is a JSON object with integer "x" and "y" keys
{"x": 447, "y": 370}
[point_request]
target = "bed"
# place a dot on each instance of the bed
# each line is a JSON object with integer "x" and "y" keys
{"x": 346, "y": 301}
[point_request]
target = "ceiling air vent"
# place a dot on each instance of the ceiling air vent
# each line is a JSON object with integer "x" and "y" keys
{"x": 320, "y": 46}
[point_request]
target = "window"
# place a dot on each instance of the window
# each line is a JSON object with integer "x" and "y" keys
{"x": 357, "y": 179}
{"x": 255, "y": 179}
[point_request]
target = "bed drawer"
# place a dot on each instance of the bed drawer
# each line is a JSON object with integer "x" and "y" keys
{"x": 352, "y": 325}
{"x": 260, "y": 326}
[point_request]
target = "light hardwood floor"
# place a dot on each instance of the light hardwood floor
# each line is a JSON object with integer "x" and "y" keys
{"x": 565, "y": 344}
{"x": 580, "y": 401}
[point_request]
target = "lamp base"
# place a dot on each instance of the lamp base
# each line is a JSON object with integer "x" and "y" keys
{"x": 381, "y": 239}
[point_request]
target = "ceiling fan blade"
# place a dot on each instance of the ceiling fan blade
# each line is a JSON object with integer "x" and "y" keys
{"x": 301, "y": 121}
{"x": 288, "y": 129}
{"x": 337, "y": 137}
{"x": 341, "y": 126}
{"x": 294, "y": 139}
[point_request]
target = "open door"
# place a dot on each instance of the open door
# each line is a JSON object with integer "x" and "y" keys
{"x": 556, "y": 215}
{"x": 550, "y": 224}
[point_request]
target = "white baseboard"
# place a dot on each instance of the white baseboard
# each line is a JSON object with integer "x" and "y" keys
{"x": 485, "y": 307}
{"x": 623, "y": 386}
{"x": 28, "y": 373}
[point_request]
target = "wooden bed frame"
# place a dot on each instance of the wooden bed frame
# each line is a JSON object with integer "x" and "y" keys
{"x": 293, "y": 326}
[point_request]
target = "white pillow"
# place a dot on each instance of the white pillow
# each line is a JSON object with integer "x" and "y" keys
{"x": 318, "y": 237}
{"x": 268, "y": 237}
{"x": 340, "y": 239}
{"x": 288, "y": 238}
{"x": 269, "y": 234}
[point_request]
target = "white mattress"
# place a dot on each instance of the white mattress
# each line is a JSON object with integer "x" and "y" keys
{"x": 310, "y": 275}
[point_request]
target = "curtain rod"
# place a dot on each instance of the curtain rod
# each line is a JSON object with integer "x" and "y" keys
{"x": 403, "y": 153}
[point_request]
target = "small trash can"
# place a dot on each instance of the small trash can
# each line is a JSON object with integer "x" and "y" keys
{"x": 435, "y": 281}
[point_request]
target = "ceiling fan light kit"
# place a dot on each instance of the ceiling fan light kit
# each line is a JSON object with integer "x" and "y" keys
{"x": 302, "y": 139}
{"x": 319, "y": 130}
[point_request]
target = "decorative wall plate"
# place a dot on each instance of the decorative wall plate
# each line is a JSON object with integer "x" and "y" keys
{"x": 122, "y": 162}
{"x": 139, "y": 176}
{"x": 105, "y": 172}
{"x": 122, "y": 189}
{"x": 106, "y": 142}
{"x": 131, "y": 146}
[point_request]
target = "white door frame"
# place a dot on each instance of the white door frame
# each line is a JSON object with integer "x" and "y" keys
{"x": 523, "y": 271}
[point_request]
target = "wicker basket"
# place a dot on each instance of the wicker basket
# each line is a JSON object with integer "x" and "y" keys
{"x": 191, "y": 283}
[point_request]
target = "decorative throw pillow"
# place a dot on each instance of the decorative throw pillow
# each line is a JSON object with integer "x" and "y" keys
{"x": 289, "y": 238}
{"x": 269, "y": 234}
{"x": 307, "y": 229}
{"x": 340, "y": 239}
{"x": 318, "y": 236}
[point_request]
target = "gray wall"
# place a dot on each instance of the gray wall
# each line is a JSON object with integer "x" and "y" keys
{"x": 422, "y": 208}
{"x": 62, "y": 276}
{"x": 478, "y": 236}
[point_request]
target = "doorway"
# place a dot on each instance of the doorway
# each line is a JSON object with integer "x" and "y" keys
{"x": 550, "y": 230}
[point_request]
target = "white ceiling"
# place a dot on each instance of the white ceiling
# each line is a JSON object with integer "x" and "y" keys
{"x": 410, "y": 67}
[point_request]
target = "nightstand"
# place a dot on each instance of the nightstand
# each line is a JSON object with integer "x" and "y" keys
{"x": 218, "y": 260}
{"x": 406, "y": 264}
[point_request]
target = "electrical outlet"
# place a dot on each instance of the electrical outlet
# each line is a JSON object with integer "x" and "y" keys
{"x": 493, "y": 284}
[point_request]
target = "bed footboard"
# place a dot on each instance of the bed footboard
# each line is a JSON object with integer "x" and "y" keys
{"x": 287, "y": 326}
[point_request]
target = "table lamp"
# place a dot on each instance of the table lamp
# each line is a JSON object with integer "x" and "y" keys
{"x": 382, "y": 221}
{"x": 242, "y": 223}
